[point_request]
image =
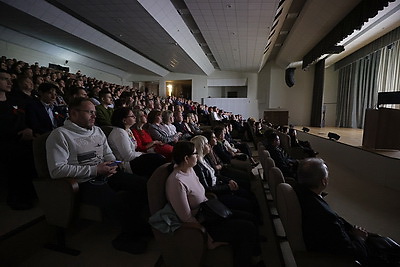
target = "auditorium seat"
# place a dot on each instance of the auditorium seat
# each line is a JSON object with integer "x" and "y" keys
{"x": 59, "y": 198}
{"x": 290, "y": 214}
{"x": 187, "y": 246}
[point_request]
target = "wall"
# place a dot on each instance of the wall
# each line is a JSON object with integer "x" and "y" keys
{"x": 330, "y": 95}
{"x": 31, "y": 56}
{"x": 296, "y": 99}
{"x": 200, "y": 89}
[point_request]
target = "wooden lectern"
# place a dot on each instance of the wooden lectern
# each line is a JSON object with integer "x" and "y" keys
{"x": 382, "y": 129}
{"x": 277, "y": 116}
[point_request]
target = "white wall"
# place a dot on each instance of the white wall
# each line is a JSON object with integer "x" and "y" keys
{"x": 274, "y": 93}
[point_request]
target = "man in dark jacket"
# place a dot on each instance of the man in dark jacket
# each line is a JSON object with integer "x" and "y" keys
{"x": 323, "y": 229}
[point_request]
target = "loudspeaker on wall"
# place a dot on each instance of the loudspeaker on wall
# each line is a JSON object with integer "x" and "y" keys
{"x": 289, "y": 76}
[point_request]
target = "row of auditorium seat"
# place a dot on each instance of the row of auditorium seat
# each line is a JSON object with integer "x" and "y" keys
{"x": 285, "y": 211}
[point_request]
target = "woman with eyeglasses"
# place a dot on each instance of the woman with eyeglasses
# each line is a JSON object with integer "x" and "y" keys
{"x": 123, "y": 144}
{"x": 185, "y": 194}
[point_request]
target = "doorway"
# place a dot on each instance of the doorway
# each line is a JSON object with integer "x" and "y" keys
{"x": 179, "y": 88}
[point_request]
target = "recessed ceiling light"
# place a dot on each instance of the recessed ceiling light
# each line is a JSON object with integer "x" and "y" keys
{"x": 229, "y": 6}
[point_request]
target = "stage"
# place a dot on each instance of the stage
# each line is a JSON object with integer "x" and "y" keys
{"x": 350, "y": 136}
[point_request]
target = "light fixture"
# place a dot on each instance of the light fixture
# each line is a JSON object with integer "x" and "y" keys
{"x": 169, "y": 88}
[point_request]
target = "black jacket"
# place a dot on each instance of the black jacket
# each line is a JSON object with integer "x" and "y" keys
{"x": 206, "y": 180}
{"x": 324, "y": 230}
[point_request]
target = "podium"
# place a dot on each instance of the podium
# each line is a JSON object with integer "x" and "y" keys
{"x": 382, "y": 129}
{"x": 277, "y": 116}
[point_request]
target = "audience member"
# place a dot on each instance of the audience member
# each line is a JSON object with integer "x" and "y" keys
{"x": 16, "y": 158}
{"x": 287, "y": 165}
{"x": 42, "y": 114}
{"x": 123, "y": 144}
{"x": 323, "y": 229}
{"x": 304, "y": 145}
{"x": 181, "y": 126}
{"x": 144, "y": 141}
{"x": 157, "y": 132}
{"x": 185, "y": 193}
{"x": 104, "y": 111}
{"x": 79, "y": 149}
{"x": 226, "y": 189}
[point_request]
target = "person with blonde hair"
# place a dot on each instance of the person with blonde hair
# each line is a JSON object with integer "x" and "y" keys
{"x": 226, "y": 189}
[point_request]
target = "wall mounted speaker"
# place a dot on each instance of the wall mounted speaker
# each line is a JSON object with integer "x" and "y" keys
{"x": 289, "y": 76}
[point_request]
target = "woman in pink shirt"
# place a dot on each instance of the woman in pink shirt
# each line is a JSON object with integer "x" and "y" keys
{"x": 185, "y": 193}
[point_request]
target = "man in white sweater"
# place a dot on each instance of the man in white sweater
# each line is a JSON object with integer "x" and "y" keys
{"x": 80, "y": 150}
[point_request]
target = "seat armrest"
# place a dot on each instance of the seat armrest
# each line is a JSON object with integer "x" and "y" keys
{"x": 57, "y": 198}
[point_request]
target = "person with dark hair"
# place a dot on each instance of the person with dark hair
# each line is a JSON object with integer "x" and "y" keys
{"x": 240, "y": 176}
{"x": 157, "y": 131}
{"x": 181, "y": 126}
{"x": 80, "y": 150}
{"x": 323, "y": 229}
{"x": 42, "y": 114}
{"x": 305, "y": 146}
{"x": 144, "y": 141}
{"x": 185, "y": 194}
{"x": 221, "y": 149}
{"x": 237, "y": 147}
{"x": 104, "y": 110}
{"x": 76, "y": 91}
{"x": 24, "y": 90}
{"x": 123, "y": 144}
{"x": 16, "y": 158}
{"x": 287, "y": 165}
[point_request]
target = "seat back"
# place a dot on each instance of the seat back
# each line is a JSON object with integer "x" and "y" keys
{"x": 156, "y": 188}
{"x": 275, "y": 178}
{"x": 260, "y": 147}
{"x": 269, "y": 163}
{"x": 39, "y": 150}
{"x": 285, "y": 142}
{"x": 289, "y": 211}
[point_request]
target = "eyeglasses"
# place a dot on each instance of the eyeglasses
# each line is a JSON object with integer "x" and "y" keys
{"x": 131, "y": 116}
{"x": 91, "y": 112}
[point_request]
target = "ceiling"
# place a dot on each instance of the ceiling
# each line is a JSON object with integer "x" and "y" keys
{"x": 156, "y": 37}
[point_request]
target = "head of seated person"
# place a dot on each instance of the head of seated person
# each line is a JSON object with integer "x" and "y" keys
{"x": 82, "y": 112}
{"x": 123, "y": 118}
{"x": 273, "y": 140}
{"x": 313, "y": 174}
